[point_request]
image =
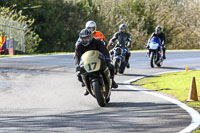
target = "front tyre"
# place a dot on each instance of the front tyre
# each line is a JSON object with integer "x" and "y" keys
{"x": 98, "y": 94}
{"x": 152, "y": 59}
{"x": 116, "y": 63}
{"x": 122, "y": 67}
{"x": 108, "y": 99}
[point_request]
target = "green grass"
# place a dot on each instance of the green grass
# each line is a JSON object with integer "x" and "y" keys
{"x": 176, "y": 84}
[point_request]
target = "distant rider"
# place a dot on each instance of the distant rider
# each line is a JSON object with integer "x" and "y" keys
{"x": 87, "y": 42}
{"x": 91, "y": 25}
{"x": 162, "y": 37}
{"x": 123, "y": 38}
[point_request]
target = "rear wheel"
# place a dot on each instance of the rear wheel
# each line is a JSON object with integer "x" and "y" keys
{"x": 98, "y": 94}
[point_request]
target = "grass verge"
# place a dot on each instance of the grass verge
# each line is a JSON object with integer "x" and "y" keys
{"x": 176, "y": 84}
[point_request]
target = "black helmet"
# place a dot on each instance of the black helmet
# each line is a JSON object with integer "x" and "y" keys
{"x": 158, "y": 29}
{"x": 122, "y": 28}
{"x": 85, "y": 37}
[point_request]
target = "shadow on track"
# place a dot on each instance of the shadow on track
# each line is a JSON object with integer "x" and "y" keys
{"x": 172, "y": 68}
{"x": 115, "y": 117}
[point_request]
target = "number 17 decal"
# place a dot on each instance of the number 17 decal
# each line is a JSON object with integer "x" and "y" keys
{"x": 92, "y": 66}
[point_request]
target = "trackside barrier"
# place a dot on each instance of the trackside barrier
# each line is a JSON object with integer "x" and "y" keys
{"x": 14, "y": 32}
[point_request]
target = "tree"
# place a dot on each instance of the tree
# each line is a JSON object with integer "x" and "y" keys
{"x": 11, "y": 18}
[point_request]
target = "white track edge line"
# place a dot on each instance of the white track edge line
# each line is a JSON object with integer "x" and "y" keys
{"x": 193, "y": 113}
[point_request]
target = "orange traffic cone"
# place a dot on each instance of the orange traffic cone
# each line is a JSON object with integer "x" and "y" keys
{"x": 186, "y": 69}
{"x": 193, "y": 91}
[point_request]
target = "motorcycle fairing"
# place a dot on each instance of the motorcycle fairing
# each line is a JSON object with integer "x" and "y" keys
{"x": 91, "y": 61}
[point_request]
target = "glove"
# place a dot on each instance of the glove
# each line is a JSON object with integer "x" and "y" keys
{"x": 163, "y": 43}
{"x": 129, "y": 45}
{"x": 111, "y": 52}
{"x": 77, "y": 68}
{"x": 110, "y": 43}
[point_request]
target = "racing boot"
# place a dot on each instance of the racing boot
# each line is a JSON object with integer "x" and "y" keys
{"x": 164, "y": 57}
{"x": 164, "y": 51}
{"x": 86, "y": 92}
{"x": 83, "y": 84}
{"x": 114, "y": 84}
{"x": 127, "y": 59}
{"x": 80, "y": 79}
{"x": 128, "y": 65}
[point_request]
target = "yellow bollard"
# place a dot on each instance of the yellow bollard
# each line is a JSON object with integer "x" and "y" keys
{"x": 186, "y": 69}
{"x": 193, "y": 91}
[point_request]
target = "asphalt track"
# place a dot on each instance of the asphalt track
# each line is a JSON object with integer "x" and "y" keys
{"x": 42, "y": 94}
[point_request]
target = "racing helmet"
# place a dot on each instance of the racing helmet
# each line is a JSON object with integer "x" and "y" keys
{"x": 91, "y": 25}
{"x": 158, "y": 29}
{"x": 85, "y": 37}
{"x": 123, "y": 28}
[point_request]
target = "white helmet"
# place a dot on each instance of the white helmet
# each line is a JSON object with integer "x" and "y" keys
{"x": 91, "y": 25}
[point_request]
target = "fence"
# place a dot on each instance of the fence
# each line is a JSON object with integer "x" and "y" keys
{"x": 15, "y": 33}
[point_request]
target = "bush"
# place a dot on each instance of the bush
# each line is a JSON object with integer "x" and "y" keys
{"x": 179, "y": 20}
{"x": 58, "y": 23}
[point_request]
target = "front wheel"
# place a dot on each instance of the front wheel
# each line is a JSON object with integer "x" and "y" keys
{"x": 116, "y": 63}
{"x": 108, "y": 99}
{"x": 98, "y": 93}
{"x": 122, "y": 67}
{"x": 152, "y": 59}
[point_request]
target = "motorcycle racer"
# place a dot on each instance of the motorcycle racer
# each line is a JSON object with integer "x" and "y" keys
{"x": 162, "y": 37}
{"x": 91, "y": 25}
{"x": 87, "y": 42}
{"x": 123, "y": 38}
